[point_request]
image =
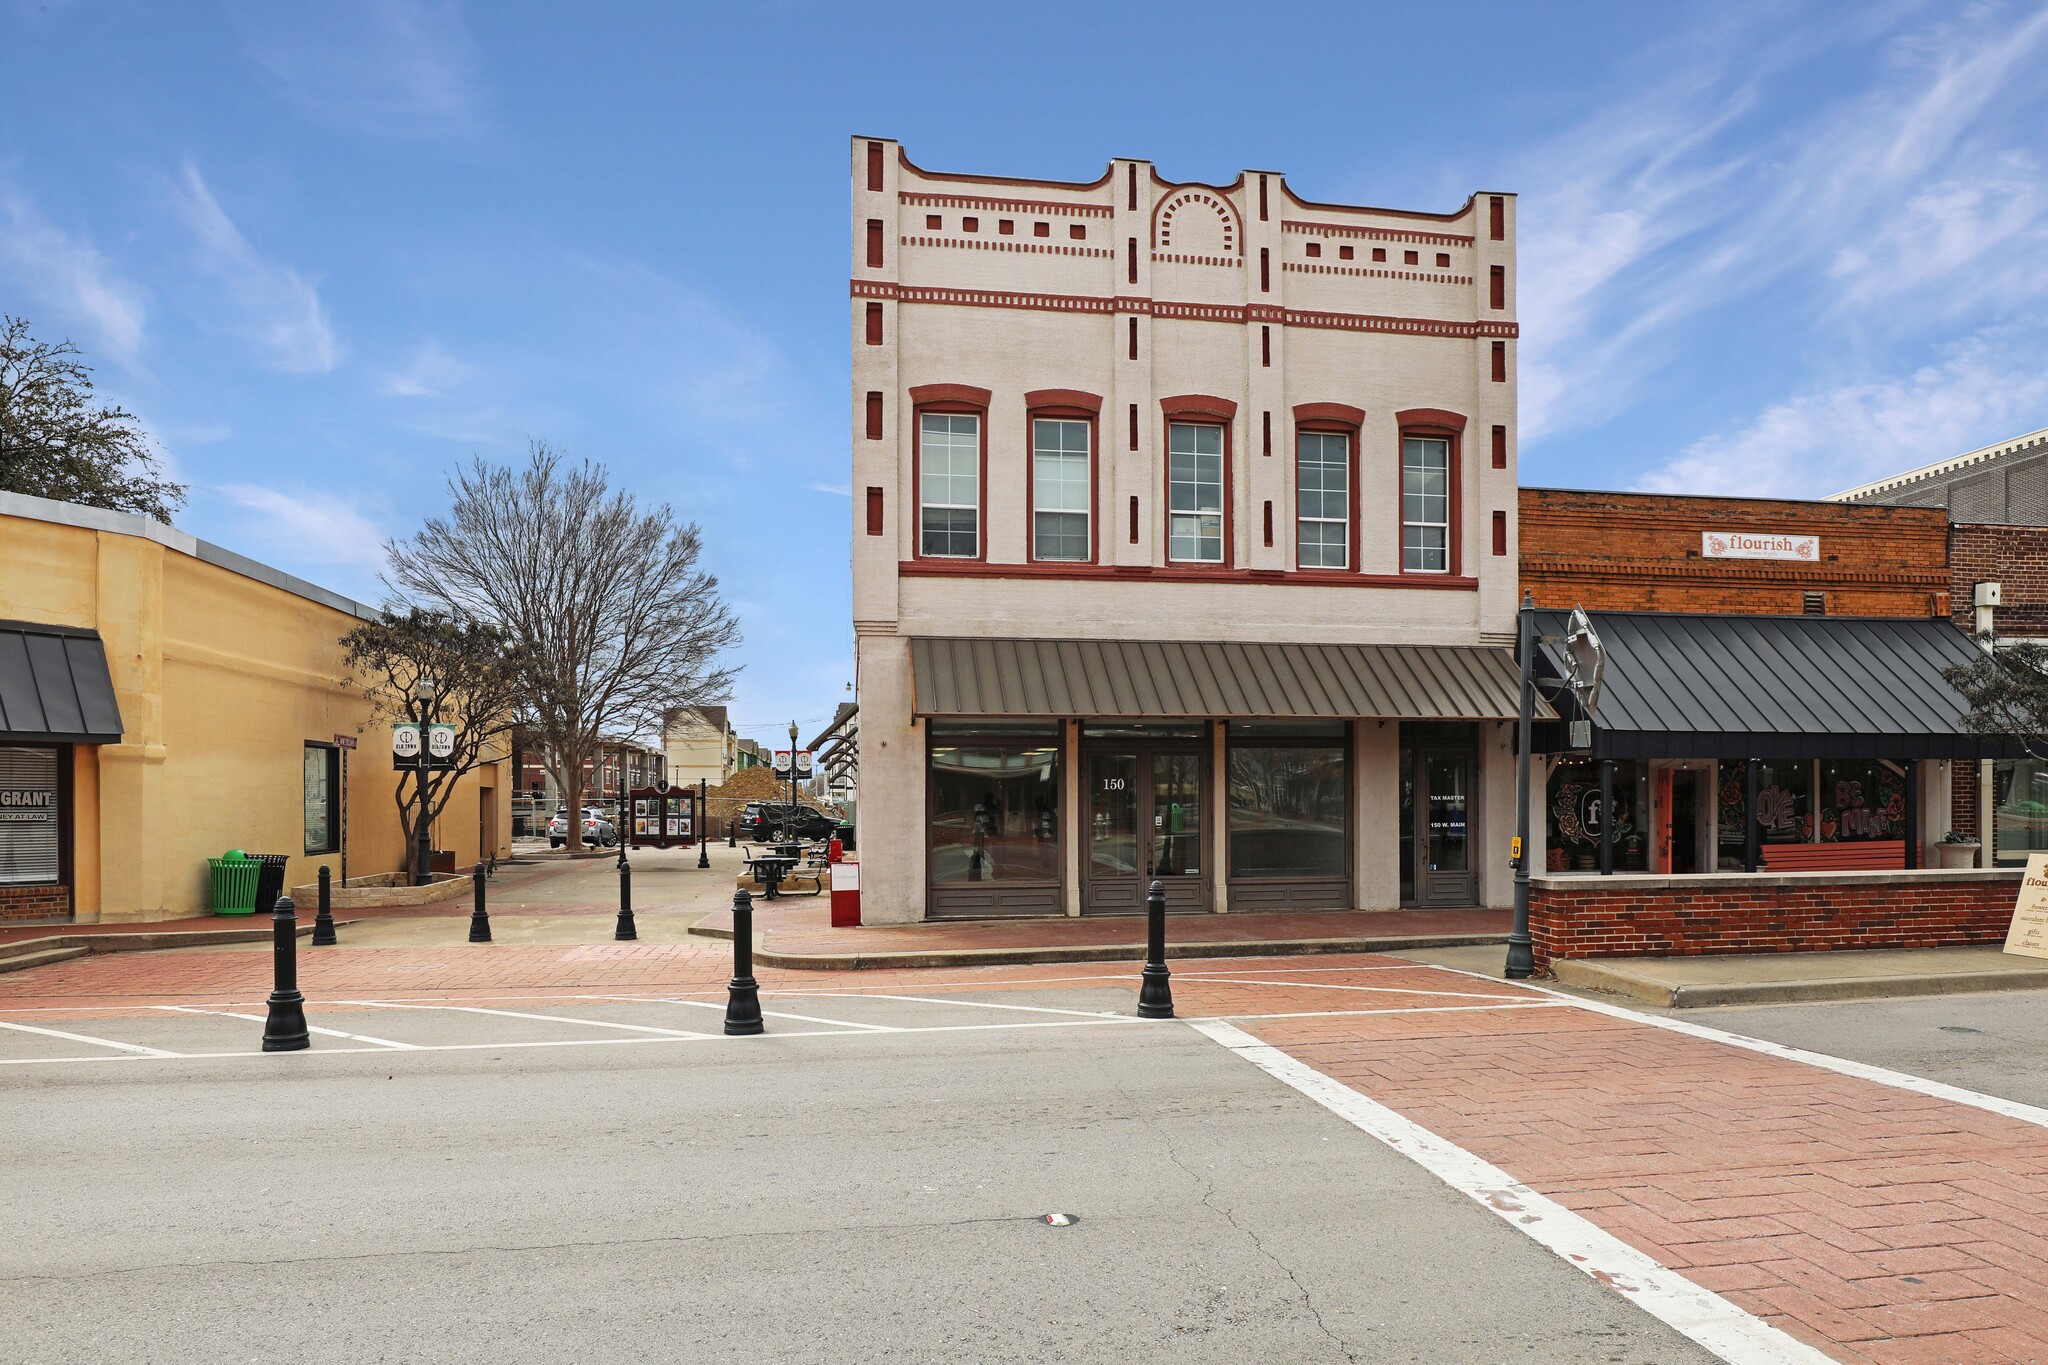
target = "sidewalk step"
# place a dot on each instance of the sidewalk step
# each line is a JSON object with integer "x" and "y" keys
{"x": 1640, "y": 981}
{"x": 1045, "y": 954}
{"x": 21, "y": 962}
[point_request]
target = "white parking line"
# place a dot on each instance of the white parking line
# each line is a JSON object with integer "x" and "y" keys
{"x": 1399, "y": 1009}
{"x": 783, "y": 1014}
{"x": 310, "y": 1028}
{"x": 84, "y": 1038}
{"x": 519, "y": 1014}
{"x": 976, "y": 1004}
{"x": 1701, "y": 1315}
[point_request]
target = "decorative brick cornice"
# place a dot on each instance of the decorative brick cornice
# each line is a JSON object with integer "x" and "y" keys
{"x": 1012, "y": 244}
{"x": 1195, "y": 312}
{"x": 1375, "y": 234}
{"x": 994, "y": 205}
{"x": 1373, "y": 272}
{"x": 1175, "y": 258}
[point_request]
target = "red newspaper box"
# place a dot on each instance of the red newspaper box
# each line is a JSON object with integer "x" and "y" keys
{"x": 846, "y": 895}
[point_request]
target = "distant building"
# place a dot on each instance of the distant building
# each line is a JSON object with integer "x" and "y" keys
{"x": 2004, "y": 484}
{"x": 698, "y": 744}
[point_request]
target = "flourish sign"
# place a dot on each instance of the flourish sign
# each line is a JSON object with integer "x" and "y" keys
{"x": 1753, "y": 545}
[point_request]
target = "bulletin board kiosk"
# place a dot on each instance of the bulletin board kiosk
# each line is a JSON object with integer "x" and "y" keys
{"x": 662, "y": 816}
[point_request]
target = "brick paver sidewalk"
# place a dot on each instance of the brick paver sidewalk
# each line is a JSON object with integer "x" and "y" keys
{"x": 1875, "y": 1223}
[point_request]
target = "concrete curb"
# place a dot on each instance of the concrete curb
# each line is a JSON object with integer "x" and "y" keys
{"x": 1090, "y": 952}
{"x": 36, "y": 952}
{"x": 1612, "y": 980}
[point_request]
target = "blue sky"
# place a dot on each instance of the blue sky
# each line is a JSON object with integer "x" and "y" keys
{"x": 327, "y": 250}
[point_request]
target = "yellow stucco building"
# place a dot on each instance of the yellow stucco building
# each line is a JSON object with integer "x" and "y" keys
{"x": 163, "y": 700}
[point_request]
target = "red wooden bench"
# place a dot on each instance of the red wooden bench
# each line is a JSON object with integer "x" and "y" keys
{"x": 1873, "y": 855}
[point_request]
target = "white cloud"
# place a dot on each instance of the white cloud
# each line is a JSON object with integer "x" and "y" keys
{"x": 1829, "y": 439}
{"x": 837, "y": 490}
{"x": 280, "y": 309}
{"x": 431, "y": 373}
{"x": 1910, "y": 201}
{"x": 68, "y": 275}
{"x": 403, "y": 68}
{"x": 309, "y": 526}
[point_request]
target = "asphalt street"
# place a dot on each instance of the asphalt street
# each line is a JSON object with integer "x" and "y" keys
{"x": 857, "y": 1196}
{"x": 1991, "y": 1043}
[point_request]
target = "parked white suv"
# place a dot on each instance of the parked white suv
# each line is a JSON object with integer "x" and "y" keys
{"x": 597, "y": 830}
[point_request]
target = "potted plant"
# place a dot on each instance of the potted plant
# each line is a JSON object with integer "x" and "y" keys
{"x": 1955, "y": 851}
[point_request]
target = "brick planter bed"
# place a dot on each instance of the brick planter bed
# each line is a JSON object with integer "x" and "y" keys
{"x": 1766, "y": 912}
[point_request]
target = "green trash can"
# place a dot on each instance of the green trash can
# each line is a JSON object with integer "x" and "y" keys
{"x": 234, "y": 883}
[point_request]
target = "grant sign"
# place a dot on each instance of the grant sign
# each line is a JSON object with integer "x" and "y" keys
{"x": 2029, "y": 933}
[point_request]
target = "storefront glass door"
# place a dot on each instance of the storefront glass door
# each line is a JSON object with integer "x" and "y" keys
{"x": 1145, "y": 822}
{"x": 1439, "y": 764}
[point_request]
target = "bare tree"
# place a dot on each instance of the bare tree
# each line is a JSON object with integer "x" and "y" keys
{"x": 478, "y": 684}
{"x": 614, "y": 622}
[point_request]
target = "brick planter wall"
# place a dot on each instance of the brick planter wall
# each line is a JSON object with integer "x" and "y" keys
{"x": 34, "y": 902}
{"x": 1737, "y": 912}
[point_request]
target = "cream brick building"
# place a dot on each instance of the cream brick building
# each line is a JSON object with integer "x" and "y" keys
{"x": 1183, "y": 543}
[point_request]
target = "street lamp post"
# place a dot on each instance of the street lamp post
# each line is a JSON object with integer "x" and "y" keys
{"x": 792, "y": 780}
{"x": 423, "y": 857}
{"x": 1521, "y": 951}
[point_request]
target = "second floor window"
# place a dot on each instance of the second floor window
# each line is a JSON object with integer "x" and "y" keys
{"x": 1194, "y": 489}
{"x": 1425, "y": 504}
{"x": 949, "y": 484}
{"x": 1060, "y": 489}
{"x": 1323, "y": 498}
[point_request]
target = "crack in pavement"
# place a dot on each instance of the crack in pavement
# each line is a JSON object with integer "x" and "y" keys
{"x": 518, "y": 1249}
{"x": 1208, "y": 1187}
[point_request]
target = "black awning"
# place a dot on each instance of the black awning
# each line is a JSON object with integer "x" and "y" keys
{"x": 1684, "y": 686}
{"x": 54, "y": 686}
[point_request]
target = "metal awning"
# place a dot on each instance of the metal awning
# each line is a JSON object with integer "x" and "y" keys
{"x": 1685, "y": 686}
{"x": 54, "y": 686}
{"x": 1209, "y": 678}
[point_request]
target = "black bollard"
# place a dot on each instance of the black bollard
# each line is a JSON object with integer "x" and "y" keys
{"x": 479, "y": 918}
{"x": 323, "y": 922}
{"x": 1155, "y": 995}
{"x": 743, "y": 994}
{"x": 626, "y": 932}
{"x": 732, "y": 832}
{"x": 284, "y": 1027}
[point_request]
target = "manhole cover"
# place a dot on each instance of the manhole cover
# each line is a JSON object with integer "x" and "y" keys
{"x": 1061, "y": 1220}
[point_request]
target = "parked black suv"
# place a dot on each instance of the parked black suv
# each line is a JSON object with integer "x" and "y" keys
{"x": 771, "y": 819}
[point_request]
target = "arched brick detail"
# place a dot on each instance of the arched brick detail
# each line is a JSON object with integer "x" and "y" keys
{"x": 949, "y": 393}
{"x": 1430, "y": 417}
{"x": 1063, "y": 398}
{"x": 1329, "y": 412}
{"x": 1198, "y": 405}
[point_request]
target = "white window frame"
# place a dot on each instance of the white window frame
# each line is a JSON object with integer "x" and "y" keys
{"x": 1087, "y": 488}
{"x": 924, "y": 474}
{"x": 1343, "y": 520}
{"x": 1197, "y": 513}
{"x": 1411, "y": 523}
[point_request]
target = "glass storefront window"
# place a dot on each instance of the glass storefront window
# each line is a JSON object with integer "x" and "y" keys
{"x": 995, "y": 813}
{"x": 322, "y": 785}
{"x": 1287, "y": 810}
{"x": 30, "y": 845}
{"x": 1572, "y": 816}
{"x": 1861, "y": 801}
{"x": 2019, "y": 789}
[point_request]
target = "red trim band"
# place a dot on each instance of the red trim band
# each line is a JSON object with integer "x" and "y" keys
{"x": 1181, "y": 573}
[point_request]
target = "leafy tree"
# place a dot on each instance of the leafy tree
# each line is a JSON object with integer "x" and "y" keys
{"x": 614, "y": 623}
{"x": 477, "y": 688}
{"x": 56, "y": 442}
{"x": 2007, "y": 689}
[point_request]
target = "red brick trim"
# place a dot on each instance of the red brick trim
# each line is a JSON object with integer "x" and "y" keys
{"x": 949, "y": 393}
{"x": 1430, "y": 417}
{"x": 1004, "y": 205}
{"x": 1329, "y": 412}
{"x": 1198, "y": 405}
{"x": 1375, "y": 234}
{"x": 1063, "y": 398}
{"x": 1183, "y": 573}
